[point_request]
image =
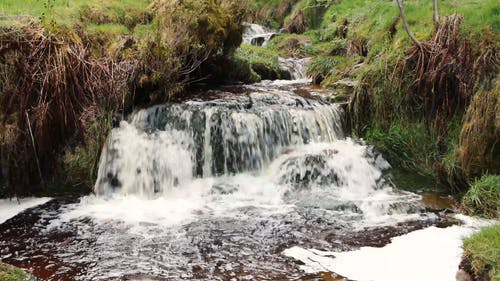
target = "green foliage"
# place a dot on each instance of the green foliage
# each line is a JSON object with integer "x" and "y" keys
{"x": 408, "y": 145}
{"x": 322, "y": 66}
{"x": 10, "y": 273}
{"x": 185, "y": 36}
{"x": 263, "y": 61}
{"x": 271, "y": 13}
{"x": 482, "y": 253}
{"x": 483, "y": 197}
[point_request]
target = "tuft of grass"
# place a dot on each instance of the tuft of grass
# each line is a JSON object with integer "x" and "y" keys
{"x": 323, "y": 66}
{"x": 479, "y": 147}
{"x": 482, "y": 253}
{"x": 483, "y": 197}
{"x": 10, "y": 273}
{"x": 407, "y": 145}
{"x": 263, "y": 61}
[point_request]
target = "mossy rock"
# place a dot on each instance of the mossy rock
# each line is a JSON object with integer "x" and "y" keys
{"x": 11, "y": 273}
{"x": 481, "y": 256}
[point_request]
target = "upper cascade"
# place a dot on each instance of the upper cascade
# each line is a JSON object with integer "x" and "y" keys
{"x": 257, "y": 35}
{"x": 166, "y": 146}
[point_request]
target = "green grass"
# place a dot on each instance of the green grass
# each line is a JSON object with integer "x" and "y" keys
{"x": 112, "y": 29}
{"x": 374, "y": 18}
{"x": 10, "y": 273}
{"x": 263, "y": 61}
{"x": 482, "y": 251}
{"x": 407, "y": 145}
{"x": 483, "y": 197}
{"x": 67, "y": 12}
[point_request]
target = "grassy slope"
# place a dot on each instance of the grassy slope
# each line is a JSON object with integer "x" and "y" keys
{"x": 109, "y": 19}
{"x": 67, "y": 12}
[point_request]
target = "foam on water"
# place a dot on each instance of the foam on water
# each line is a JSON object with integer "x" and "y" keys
{"x": 11, "y": 207}
{"x": 432, "y": 254}
{"x": 344, "y": 177}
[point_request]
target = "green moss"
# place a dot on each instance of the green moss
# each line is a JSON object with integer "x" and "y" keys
{"x": 10, "y": 273}
{"x": 483, "y": 197}
{"x": 322, "y": 66}
{"x": 263, "y": 61}
{"x": 482, "y": 253}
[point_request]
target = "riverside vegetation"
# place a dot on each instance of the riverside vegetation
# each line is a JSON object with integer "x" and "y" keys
{"x": 432, "y": 107}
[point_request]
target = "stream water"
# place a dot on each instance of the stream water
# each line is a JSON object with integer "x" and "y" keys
{"x": 229, "y": 185}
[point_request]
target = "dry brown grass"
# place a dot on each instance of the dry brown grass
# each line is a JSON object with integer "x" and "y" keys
{"x": 479, "y": 143}
{"x": 444, "y": 73}
{"x": 50, "y": 88}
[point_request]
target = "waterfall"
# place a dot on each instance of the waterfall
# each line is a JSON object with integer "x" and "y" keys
{"x": 166, "y": 146}
{"x": 257, "y": 35}
{"x": 296, "y": 67}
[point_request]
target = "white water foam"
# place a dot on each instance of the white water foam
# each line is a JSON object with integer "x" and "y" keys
{"x": 358, "y": 184}
{"x": 428, "y": 254}
{"x": 253, "y": 32}
{"x": 11, "y": 207}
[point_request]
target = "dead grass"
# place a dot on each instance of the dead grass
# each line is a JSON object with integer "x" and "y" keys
{"x": 444, "y": 73}
{"x": 50, "y": 88}
{"x": 479, "y": 147}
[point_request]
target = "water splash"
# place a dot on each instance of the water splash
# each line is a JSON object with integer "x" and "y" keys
{"x": 166, "y": 146}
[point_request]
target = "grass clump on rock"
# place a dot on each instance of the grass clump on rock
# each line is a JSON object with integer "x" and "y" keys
{"x": 10, "y": 273}
{"x": 482, "y": 254}
{"x": 263, "y": 61}
{"x": 483, "y": 197}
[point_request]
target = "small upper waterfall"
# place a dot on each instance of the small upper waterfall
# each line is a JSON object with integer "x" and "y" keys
{"x": 296, "y": 67}
{"x": 257, "y": 35}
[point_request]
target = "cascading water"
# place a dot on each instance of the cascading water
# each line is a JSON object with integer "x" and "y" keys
{"x": 210, "y": 138}
{"x": 257, "y": 35}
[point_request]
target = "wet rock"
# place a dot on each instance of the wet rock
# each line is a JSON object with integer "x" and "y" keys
{"x": 343, "y": 90}
{"x": 303, "y": 172}
{"x": 463, "y": 276}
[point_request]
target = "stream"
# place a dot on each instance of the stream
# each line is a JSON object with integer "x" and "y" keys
{"x": 251, "y": 182}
